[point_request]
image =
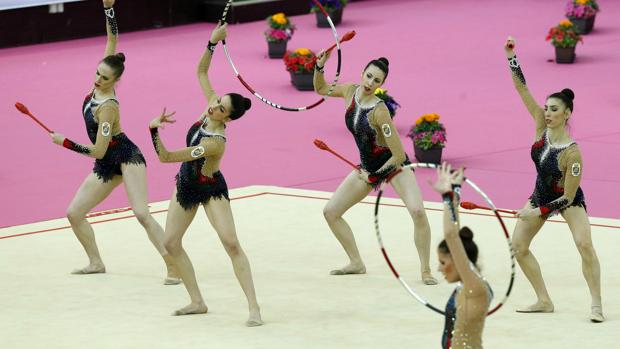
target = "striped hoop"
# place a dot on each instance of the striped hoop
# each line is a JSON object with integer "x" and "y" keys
{"x": 405, "y": 284}
{"x": 273, "y": 104}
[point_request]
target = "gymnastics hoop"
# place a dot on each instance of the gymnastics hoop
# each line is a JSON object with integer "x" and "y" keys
{"x": 405, "y": 284}
{"x": 268, "y": 102}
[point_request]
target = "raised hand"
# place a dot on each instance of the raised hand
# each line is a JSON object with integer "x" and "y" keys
{"x": 164, "y": 118}
{"x": 108, "y": 3}
{"x": 57, "y": 138}
{"x": 219, "y": 33}
{"x": 509, "y": 45}
{"x": 445, "y": 178}
{"x": 322, "y": 57}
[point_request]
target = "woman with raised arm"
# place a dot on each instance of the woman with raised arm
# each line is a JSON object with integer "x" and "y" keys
{"x": 559, "y": 168}
{"x": 200, "y": 183}
{"x": 382, "y": 155}
{"x": 467, "y": 308}
{"x": 118, "y": 160}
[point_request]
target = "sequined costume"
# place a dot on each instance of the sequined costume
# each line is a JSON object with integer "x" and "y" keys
{"x": 120, "y": 149}
{"x": 553, "y": 164}
{"x": 373, "y": 155}
{"x": 193, "y": 187}
{"x": 466, "y": 334}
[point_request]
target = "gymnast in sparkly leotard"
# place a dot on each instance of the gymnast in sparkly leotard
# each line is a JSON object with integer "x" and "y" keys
{"x": 559, "y": 170}
{"x": 381, "y": 154}
{"x": 117, "y": 159}
{"x": 468, "y": 305}
{"x": 199, "y": 182}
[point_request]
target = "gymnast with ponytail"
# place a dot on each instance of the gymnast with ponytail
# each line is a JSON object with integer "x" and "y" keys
{"x": 369, "y": 120}
{"x": 559, "y": 169}
{"x": 199, "y": 182}
{"x": 117, "y": 159}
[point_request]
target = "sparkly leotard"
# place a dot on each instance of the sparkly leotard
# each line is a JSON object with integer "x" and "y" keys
{"x": 121, "y": 149}
{"x": 466, "y": 334}
{"x": 549, "y": 190}
{"x": 194, "y": 188}
{"x": 372, "y": 155}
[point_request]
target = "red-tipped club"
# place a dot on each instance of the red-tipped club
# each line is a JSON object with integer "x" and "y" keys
{"x": 23, "y": 109}
{"x": 321, "y": 145}
{"x": 471, "y": 206}
{"x": 346, "y": 37}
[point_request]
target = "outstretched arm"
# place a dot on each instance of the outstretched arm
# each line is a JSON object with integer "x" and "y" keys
{"x": 207, "y": 147}
{"x": 218, "y": 34}
{"x": 448, "y": 184}
{"x": 320, "y": 85}
{"x": 111, "y": 27}
{"x": 538, "y": 114}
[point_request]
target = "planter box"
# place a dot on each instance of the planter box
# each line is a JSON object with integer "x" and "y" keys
{"x": 321, "y": 20}
{"x": 564, "y": 55}
{"x": 432, "y": 156}
{"x": 277, "y": 49}
{"x": 303, "y": 81}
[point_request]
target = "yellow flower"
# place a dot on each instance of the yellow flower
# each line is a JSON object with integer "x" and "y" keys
{"x": 303, "y": 51}
{"x": 379, "y": 91}
{"x": 582, "y": 2}
{"x": 566, "y": 23}
{"x": 279, "y": 18}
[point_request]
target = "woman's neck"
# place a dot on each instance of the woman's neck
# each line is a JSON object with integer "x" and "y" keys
{"x": 215, "y": 126}
{"x": 101, "y": 93}
{"x": 558, "y": 135}
{"x": 365, "y": 99}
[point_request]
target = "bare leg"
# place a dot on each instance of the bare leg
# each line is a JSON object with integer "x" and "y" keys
{"x": 351, "y": 191}
{"x": 579, "y": 225}
{"x": 134, "y": 177}
{"x": 406, "y": 186}
{"x": 524, "y": 232}
{"x": 177, "y": 222}
{"x": 90, "y": 194}
{"x": 221, "y": 218}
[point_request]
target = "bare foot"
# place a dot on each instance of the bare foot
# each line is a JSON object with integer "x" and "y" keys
{"x": 350, "y": 269}
{"x": 172, "y": 278}
{"x": 597, "y": 314}
{"x": 428, "y": 278}
{"x": 254, "y": 319}
{"x": 90, "y": 269}
{"x": 193, "y": 308}
{"x": 539, "y": 307}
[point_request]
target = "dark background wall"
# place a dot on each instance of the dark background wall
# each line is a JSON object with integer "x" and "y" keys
{"x": 80, "y": 19}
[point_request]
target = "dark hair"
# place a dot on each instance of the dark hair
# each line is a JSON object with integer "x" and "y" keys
{"x": 239, "y": 105}
{"x": 116, "y": 62}
{"x": 382, "y": 63}
{"x": 467, "y": 237}
{"x": 566, "y": 96}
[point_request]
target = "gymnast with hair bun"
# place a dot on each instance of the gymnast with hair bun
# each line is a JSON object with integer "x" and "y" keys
{"x": 199, "y": 182}
{"x": 559, "y": 169}
{"x": 381, "y": 152}
{"x": 118, "y": 159}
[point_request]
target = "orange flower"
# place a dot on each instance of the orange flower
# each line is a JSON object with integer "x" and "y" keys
{"x": 419, "y": 121}
{"x": 303, "y": 51}
{"x": 566, "y": 23}
{"x": 582, "y": 2}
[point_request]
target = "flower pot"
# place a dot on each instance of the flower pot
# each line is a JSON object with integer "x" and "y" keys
{"x": 303, "y": 81}
{"x": 584, "y": 24}
{"x": 335, "y": 15}
{"x": 277, "y": 48}
{"x": 564, "y": 54}
{"x": 432, "y": 155}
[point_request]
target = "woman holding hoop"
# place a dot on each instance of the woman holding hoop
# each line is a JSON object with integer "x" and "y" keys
{"x": 382, "y": 156}
{"x": 467, "y": 308}
{"x": 558, "y": 163}
{"x": 118, "y": 159}
{"x": 200, "y": 183}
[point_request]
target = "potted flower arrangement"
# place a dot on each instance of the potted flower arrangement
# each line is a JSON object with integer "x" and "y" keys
{"x": 582, "y": 13}
{"x": 429, "y": 138}
{"x": 300, "y": 64}
{"x": 564, "y": 37}
{"x": 389, "y": 101}
{"x": 334, "y": 10}
{"x": 278, "y": 34}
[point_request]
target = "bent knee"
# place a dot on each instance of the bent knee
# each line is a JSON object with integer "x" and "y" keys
{"x": 173, "y": 246}
{"x": 74, "y": 215}
{"x": 143, "y": 216}
{"x": 585, "y": 248}
{"x": 232, "y": 247}
{"x": 331, "y": 214}
{"x": 520, "y": 250}
{"x": 417, "y": 213}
